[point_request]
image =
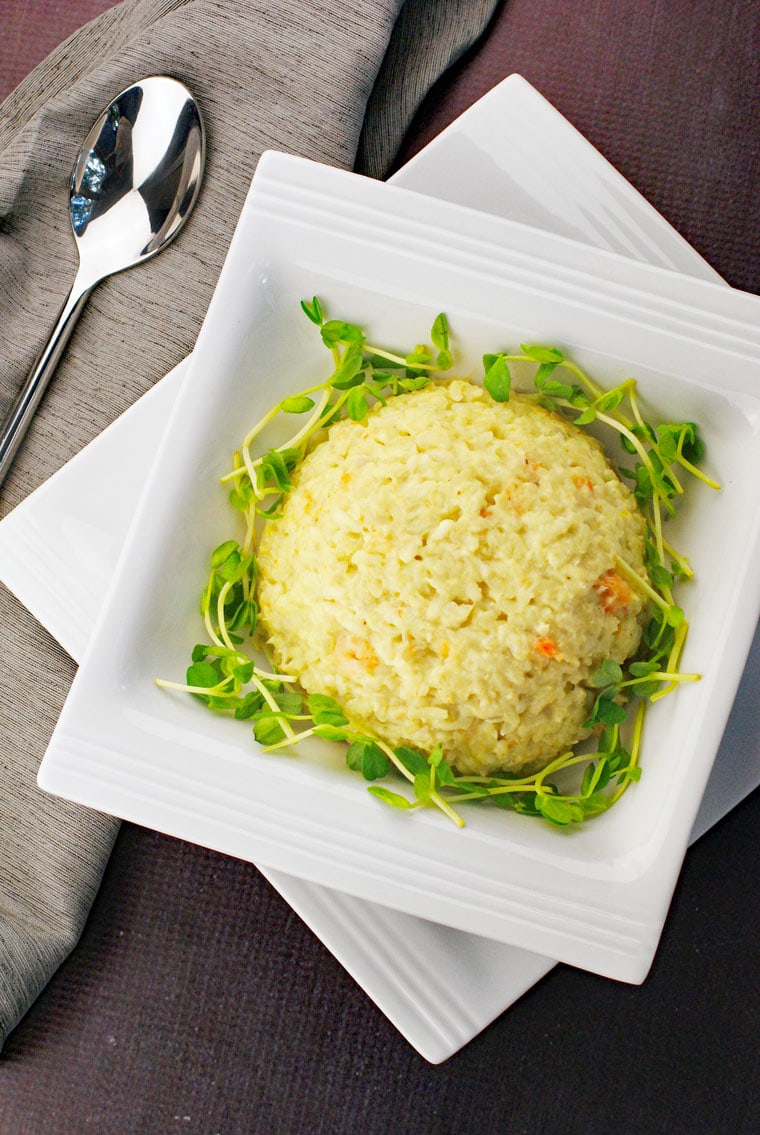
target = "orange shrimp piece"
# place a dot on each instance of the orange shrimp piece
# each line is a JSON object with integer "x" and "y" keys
{"x": 583, "y": 482}
{"x": 615, "y": 594}
{"x": 548, "y": 648}
{"x": 360, "y": 651}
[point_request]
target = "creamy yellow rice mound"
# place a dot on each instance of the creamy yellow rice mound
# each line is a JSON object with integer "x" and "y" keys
{"x": 446, "y": 570}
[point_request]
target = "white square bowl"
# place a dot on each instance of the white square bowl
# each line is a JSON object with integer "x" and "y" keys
{"x": 390, "y": 260}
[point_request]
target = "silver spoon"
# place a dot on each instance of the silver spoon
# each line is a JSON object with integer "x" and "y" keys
{"x": 135, "y": 181}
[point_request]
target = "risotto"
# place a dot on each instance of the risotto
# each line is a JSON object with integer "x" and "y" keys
{"x": 446, "y": 570}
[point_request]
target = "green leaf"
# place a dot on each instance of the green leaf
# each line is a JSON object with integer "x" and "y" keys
{"x": 268, "y": 729}
{"x": 422, "y": 787}
{"x": 297, "y": 405}
{"x": 330, "y": 732}
{"x": 443, "y": 770}
{"x": 217, "y": 703}
{"x": 611, "y": 400}
{"x": 417, "y": 382}
{"x": 644, "y": 490}
{"x": 357, "y": 405}
{"x": 674, "y": 616}
{"x": 288, "y": 702}
{"x": 435, "y": 756}
{"x": 233, "y": 568}
{"x": 603, "y": 773}
{"x": 543, "y": 374}
{"x": 365, "y": 757}
{"x": 556, "y": 389}
{"x": 336, "y": 331}
{"x": 541, "y": 354}
{"x": 200, "y": 652}
{"x": 645, "y": 433}
{"x": 439, "y": 332}
{"x": 585, "y": 417}
{"x": 202, "y": 674}
{"x": 238, "y": 500}
{"x": 349, "y": 371}
{"x": 439, "y": 335}
{"x": 578, "y": 397}
{"x": 388, "y": 797}
{"x": 595, "y": 804}
{"x": 325, "y": 710}
{"x": 273, "y": 468}
{"x": 354, "y": 755}
{"x": 497, "y": 380}
{"x": 692, "y": 447}
{"x": 445, "y": 773}
{"x": 291, "y": 457}
{"x": 526, "y": 803}
{"x": 661, "y": 577}
{"x": 672, "y": 434}
{"x": 220, "y": 554}
{"x": 274, "y": 510}
{"x": 475, "y": 790}
{"x": 241, "y": 496}
{"x": 559, "y": 812}
{"x": 667, "y": 445}
{"x": 607, "y": 711}
{"x": 420, "y": 356}
{"x": 243, "y": 672}
{"x": 412, "y": 760}
{"x": 327, "y": 717}
{"x": 642, "y": 669}
{"x": 250, "y": 705}
{"x": 608, "y": 674}
{"x": 245, "y": 617}
{"x": 313, "y": 310}
{"x": 508, "y": 801}
{"x": 646, "y": 689}
{"x": 589, "y": 779}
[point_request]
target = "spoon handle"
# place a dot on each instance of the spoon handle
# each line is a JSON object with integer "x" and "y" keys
{"x": 20, "y": 415}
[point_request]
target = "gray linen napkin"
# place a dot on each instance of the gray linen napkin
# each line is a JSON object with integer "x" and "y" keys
{"x": 276, "y": 74}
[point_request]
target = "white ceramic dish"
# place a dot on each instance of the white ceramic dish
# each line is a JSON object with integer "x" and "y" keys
{"x": 66, "y": 514}
{"x": 391, "y": 259}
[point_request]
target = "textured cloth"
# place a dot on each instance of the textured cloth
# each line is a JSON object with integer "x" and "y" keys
{"x": 277, "y": 74}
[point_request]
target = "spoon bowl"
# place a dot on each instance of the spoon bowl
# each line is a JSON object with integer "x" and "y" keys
{"x": 138, "y": 175}
{"x": 134, "y": 184}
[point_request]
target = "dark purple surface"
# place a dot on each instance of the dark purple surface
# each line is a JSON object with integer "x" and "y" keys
{"x": 198, "y": 1002}
{"x": 30, "y": 29}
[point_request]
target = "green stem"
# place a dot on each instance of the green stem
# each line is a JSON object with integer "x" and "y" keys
{"x": 641, "y": 584}
{"x": 682, "y": 562}
{"x": 393, "y": 358}
{"x": 206, "y": 691}
{"x": 661, "y": 676}
{"x": 638, "y": 728}
{"x": 594, "y": 390}
{"x": 446, "y": 808}
{"x": 696, "y": 472}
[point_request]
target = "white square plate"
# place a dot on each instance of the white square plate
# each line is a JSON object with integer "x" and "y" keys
{"x": 391, "y": 259}
{"x": 59, "y": 547}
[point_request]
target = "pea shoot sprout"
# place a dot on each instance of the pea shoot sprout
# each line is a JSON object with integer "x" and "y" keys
{"x": 231, "y": 673}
